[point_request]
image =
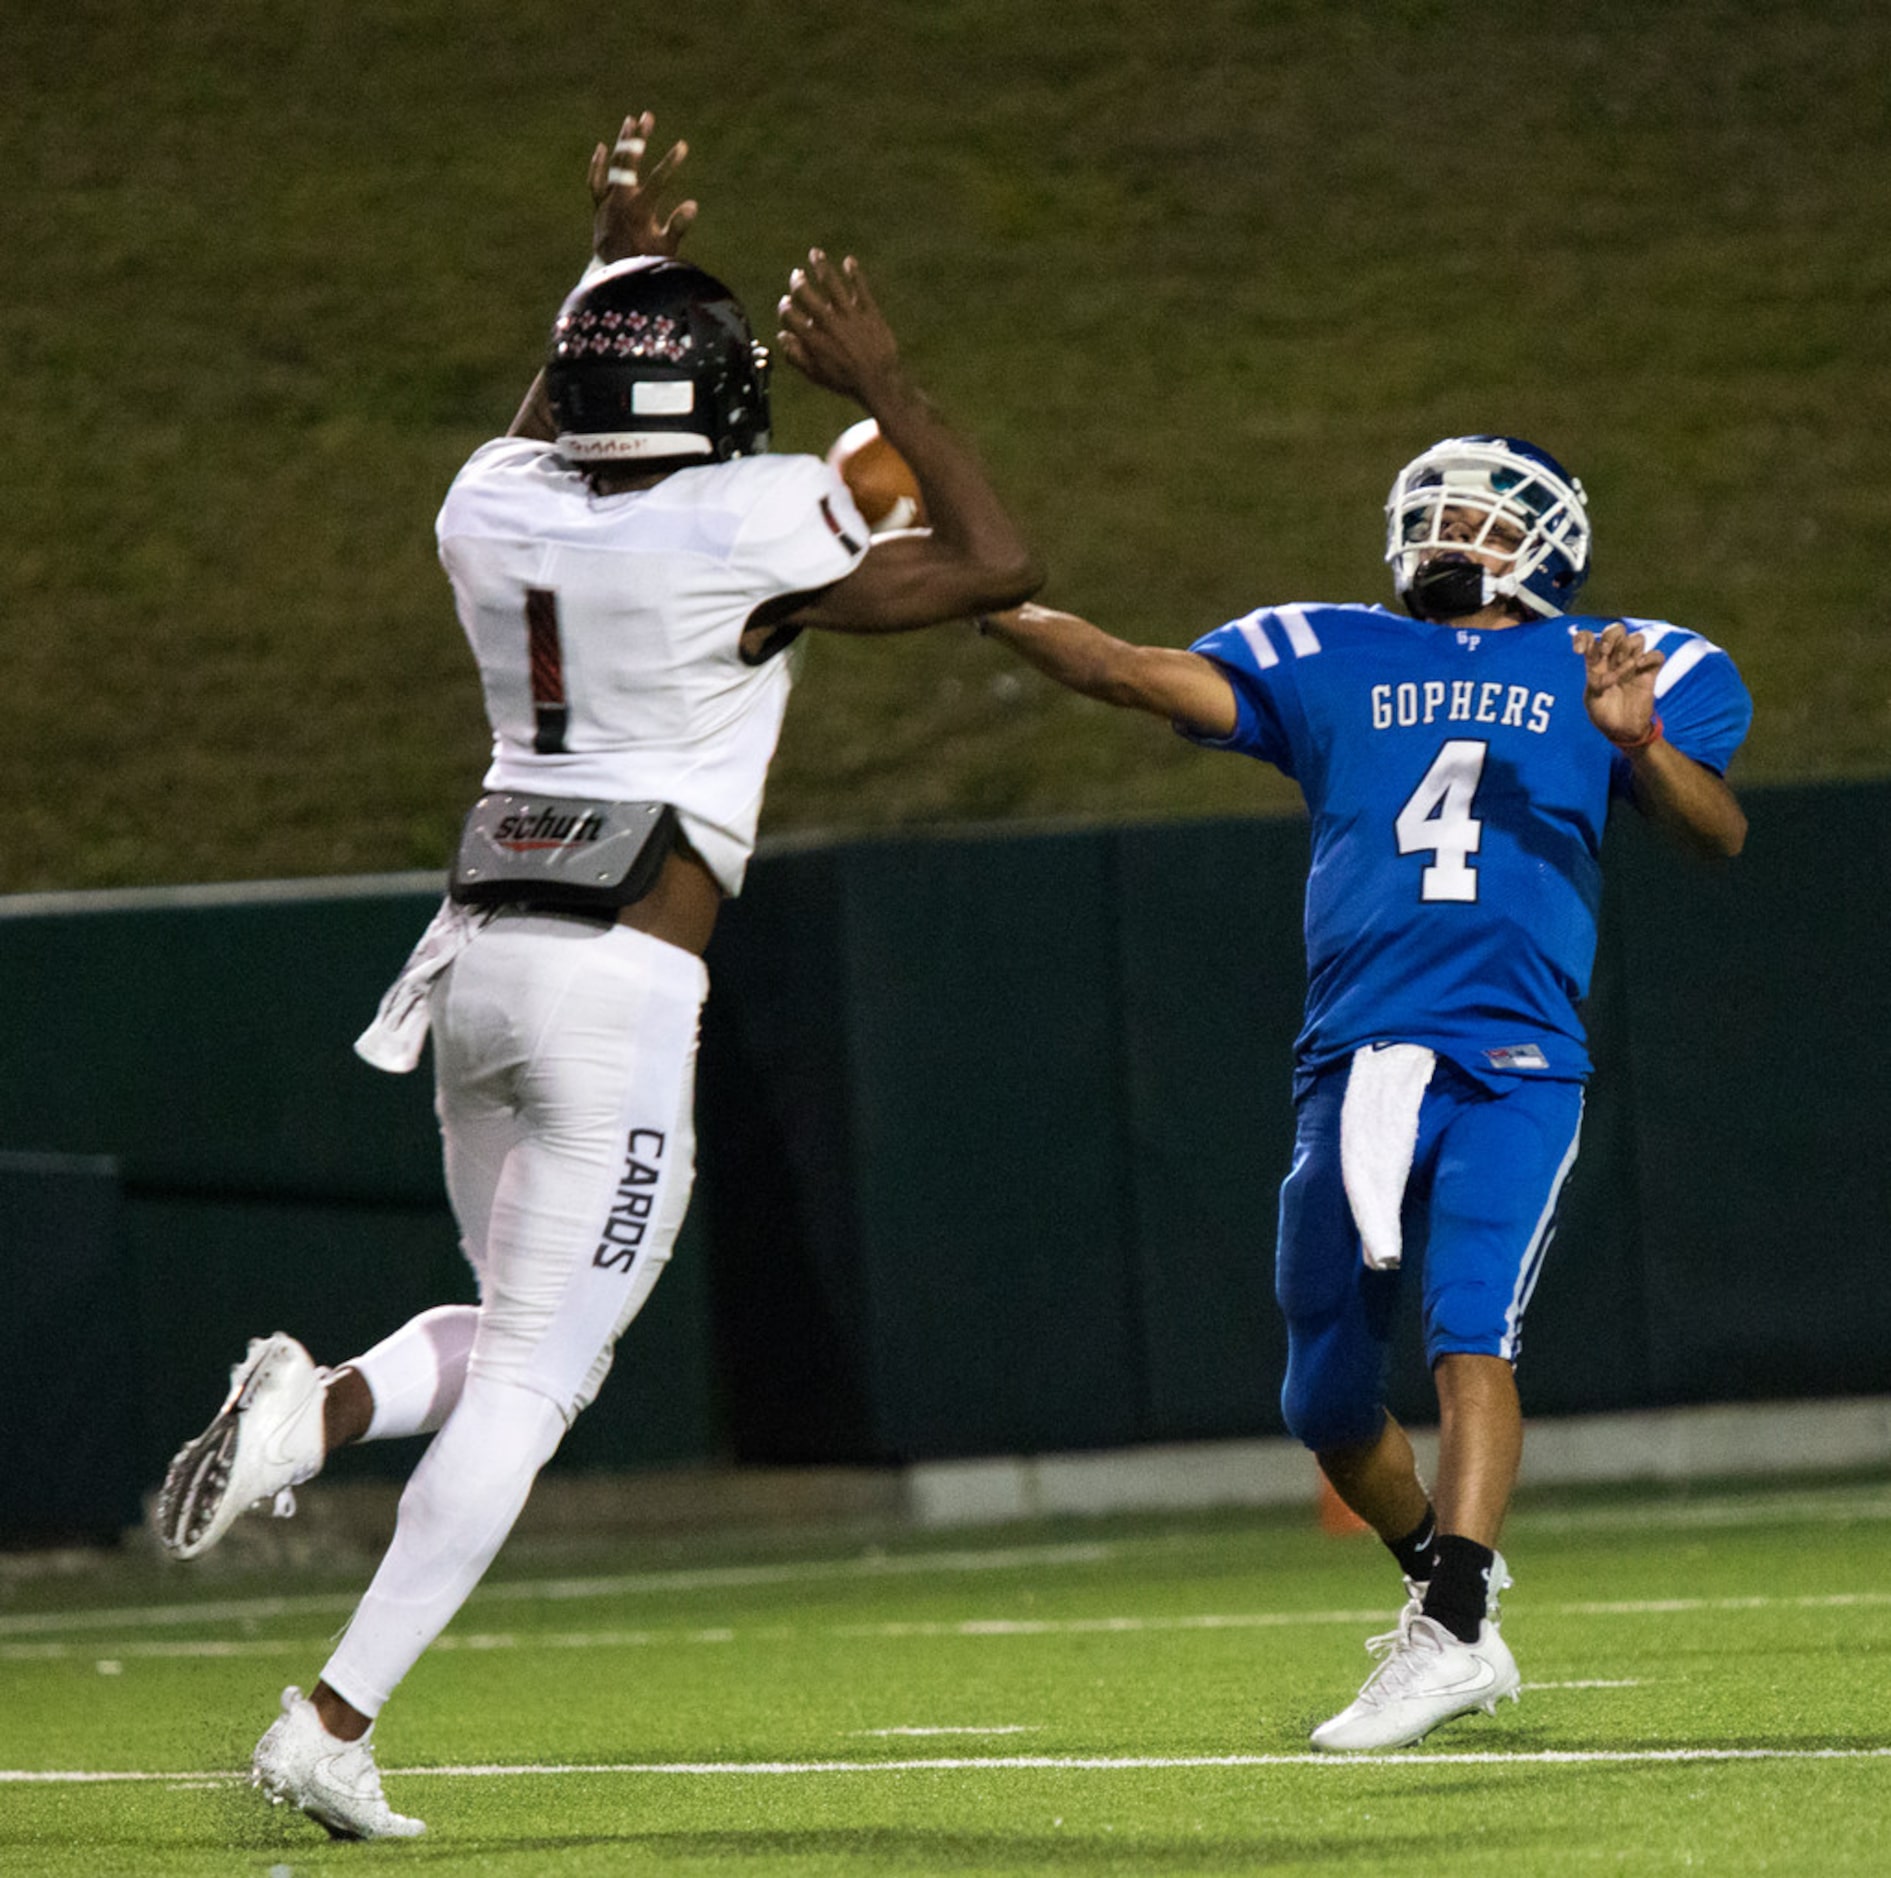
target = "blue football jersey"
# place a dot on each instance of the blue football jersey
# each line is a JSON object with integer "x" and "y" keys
{"x": 1458, "y": 792}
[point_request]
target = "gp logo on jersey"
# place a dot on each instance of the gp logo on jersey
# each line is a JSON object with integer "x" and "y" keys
{"x": 1517, "y": 1056}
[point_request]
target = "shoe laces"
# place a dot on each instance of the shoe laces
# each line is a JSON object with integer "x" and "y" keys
{"x": 354, "y": 1764}
{"x": 1398, "y": 1653}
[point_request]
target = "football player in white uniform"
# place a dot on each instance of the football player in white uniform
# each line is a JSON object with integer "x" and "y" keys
{"x": 632, "y": 570}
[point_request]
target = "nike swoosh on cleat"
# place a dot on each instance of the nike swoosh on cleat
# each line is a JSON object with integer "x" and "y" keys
{"x": 1485, "y": 1678}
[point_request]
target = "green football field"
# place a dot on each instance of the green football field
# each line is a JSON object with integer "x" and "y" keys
{"x": 1704, "y": 1689}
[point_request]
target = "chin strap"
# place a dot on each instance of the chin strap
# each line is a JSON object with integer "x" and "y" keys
{"x": 1446, "y": 589}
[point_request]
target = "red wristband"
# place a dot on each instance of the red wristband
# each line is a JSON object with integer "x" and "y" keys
{"x": 1651, "y": 735}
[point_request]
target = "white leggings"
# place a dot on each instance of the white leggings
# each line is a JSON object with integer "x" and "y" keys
{"x": 565, "y": 1059}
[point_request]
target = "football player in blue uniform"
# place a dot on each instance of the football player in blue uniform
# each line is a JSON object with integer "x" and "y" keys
{"x": 1459, "y": 761}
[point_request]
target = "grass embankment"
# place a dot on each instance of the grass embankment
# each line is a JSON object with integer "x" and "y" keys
{"x": 1198, "y": 282}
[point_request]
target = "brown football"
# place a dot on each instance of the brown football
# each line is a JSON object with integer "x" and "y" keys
{"x": 878, "y": 477}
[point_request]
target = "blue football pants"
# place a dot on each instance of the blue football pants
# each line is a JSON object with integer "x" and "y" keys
{"x": 1479, "y": 1213}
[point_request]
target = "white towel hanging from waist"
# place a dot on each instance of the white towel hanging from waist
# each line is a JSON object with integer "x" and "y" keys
{"x": 397, "y": 1036}
{"x": 1378, "y": 1134}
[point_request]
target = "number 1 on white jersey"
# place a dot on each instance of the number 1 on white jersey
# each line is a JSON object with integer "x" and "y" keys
{"x": 546, "y": 660}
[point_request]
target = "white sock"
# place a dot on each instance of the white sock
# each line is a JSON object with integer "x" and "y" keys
{"x": 416, "y": 1375}
{"x": 460, "y": 1504}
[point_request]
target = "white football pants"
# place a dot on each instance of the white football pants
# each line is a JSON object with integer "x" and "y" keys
{"x": 565, "y": 1063}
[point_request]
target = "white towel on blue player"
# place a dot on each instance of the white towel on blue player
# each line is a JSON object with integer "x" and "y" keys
{"x": 1378, "y": 1135}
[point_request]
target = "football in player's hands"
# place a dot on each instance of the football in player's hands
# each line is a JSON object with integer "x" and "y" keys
{"x": 883, "y": 487}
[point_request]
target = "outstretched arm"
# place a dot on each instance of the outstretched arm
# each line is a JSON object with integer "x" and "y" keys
{"x": 1184, "y": 687}
{"x": 626, "y": 218}
{"x": 1671, "y": 789}
{"x": 972, "y": 557}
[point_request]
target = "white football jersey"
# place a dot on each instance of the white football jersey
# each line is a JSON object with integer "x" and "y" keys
{"x": 608, "y": 628}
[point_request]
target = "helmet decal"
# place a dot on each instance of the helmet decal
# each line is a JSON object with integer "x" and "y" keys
{"x": 590, "y": 334}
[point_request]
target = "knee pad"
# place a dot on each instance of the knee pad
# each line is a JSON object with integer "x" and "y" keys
{"x": 473, "y": 1480}
{"x": 1333, "y": 1393}
{"x": 1322, "y": 1425}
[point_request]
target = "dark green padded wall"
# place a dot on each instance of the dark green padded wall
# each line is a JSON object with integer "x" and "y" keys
{"x": 991, "y": 1131}
{"x": 71, "y": 1408}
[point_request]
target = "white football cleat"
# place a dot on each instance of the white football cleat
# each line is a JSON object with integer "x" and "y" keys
{"x": 264, "y": 1441}
{"x": 1426, "y": 1677}
{"x": 335, "y": 1782}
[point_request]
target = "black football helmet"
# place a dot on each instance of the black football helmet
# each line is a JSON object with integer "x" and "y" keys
{"x": 654, "y": 358}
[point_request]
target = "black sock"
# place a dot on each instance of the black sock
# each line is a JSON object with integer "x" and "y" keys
{"x": 1414, "y": 1551}
{"x": 1460, "y": 1585}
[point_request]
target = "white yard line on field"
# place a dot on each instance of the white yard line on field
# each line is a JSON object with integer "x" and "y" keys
{"x": 1839, "y": 1505}
{"x": 1102, "y": 1626}
{"x": 868, "y": 1565}
{"x": 1004, "y": 1763}
{"x": 118, "y": 1649}
{"x": 999, "y": 1728}
{"x": 1588, "y": 1682}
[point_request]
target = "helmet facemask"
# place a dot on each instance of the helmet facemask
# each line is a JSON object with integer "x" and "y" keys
{"x": 1467, "y": 496}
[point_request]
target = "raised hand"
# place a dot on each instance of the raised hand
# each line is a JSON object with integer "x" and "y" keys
{"x": 627, "y": 213}
{"x": 1620, "y": 682}
{"x": 832, "y": 331}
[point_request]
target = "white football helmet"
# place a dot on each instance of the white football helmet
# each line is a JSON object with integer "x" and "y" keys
{"x": 1497, "y": 479}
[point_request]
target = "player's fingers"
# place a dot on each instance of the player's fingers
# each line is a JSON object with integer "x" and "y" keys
{"x": 633, "y": 139}
{"x": 664, "y": 168}
{"x": 597, "y": 174}
{"x": 856, "y": 277}
{"x": 805, "y": 293}
{"x": 677, "y": 225}
{"x": 794, "y": 315}
{"x": 834, "y": 279}
{"x": 826, "y": 275}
